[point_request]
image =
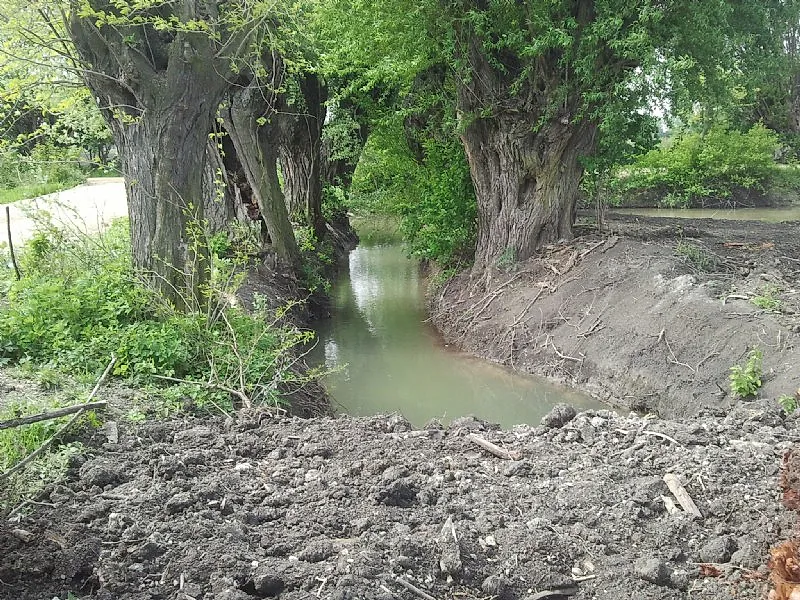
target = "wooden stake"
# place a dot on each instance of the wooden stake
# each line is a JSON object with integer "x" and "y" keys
{"x": 493, "y": 448}
{"x": 680, "y": 493}
{"x": 11, "y": 244}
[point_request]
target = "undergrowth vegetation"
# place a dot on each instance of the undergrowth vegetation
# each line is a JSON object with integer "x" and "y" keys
{"x": 432, "y": 195}
{"x": 79, "y": 302}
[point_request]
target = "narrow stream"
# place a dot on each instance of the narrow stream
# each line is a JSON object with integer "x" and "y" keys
{"x": 387, "y": 358}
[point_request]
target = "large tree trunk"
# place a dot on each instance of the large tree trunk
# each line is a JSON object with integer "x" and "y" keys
{"x": 524, "y": 156}
{"x": 160, "y": 105}
{"x": 163, "y": 162}
{"x": 526, "y": 184}
{"x": 256, "y": 148}
{"x": 301, "y": 153}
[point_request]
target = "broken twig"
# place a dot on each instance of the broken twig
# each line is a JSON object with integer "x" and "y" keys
{"x": 53, "y": 414}
{"x": 28, "y": 459}
{"x": 413, "y": 589}
{"x": 680, "y": 493}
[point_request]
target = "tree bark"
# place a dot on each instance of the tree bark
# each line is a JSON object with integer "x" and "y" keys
{"x": 301, "y": 152}
{"x": 526, "y": 184}
{"x": 254, "y": 139}
{"x": 524, "y": 154}
{"x": 159, "y": 92}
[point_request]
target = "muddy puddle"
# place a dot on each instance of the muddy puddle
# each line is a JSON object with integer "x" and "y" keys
{"x": 388, "y": 358}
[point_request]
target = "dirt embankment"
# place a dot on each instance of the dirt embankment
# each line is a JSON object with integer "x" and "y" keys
{"x": 650, "y": 316}
{"x": 365, "y": 508}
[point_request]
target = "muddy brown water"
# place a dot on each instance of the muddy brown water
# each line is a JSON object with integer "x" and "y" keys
{"x": 388, "y": 358}
{"x": 769, "y": 215}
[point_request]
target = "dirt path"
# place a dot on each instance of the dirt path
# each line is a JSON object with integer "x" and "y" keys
{"x": 86, "y": 208}
{"x": 649, "y": 317}
{"x": 343, "y": 508}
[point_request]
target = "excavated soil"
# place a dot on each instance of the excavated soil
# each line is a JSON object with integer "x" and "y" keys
{"x": 364, "y": 508}
{"x": 650, "y": 316}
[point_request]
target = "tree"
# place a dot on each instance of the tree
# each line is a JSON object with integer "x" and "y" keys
{"x": 250, "y": 119}
{"x": 159, "y": 72}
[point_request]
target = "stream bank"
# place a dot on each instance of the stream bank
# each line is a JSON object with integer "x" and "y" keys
{"x": 649, "y": 316}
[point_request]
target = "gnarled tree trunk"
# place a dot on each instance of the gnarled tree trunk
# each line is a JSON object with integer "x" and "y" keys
{"x": 160, "y": 104}
{"x": 526, "y": 184}
{"x": 301, "y": 152}
{"x": 254, "y": 139}
{"x": 523, "y": 155}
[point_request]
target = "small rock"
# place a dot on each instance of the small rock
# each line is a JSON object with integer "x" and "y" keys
{"x": 397, "y": 424}
{"x": 679, "y": 580}
{"x": 747, "y": 556}
{"x": 718, "y": 550}
{"x": 311, "y": 475}
{"x": 559, "y": 415}
{"x": 654, "y": 570}
{"x": 450, "y": 558}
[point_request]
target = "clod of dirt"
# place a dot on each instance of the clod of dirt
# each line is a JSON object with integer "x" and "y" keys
{"x": 718, "y": 550}
{"x": 654, "y": 570}
{"x": 560, "y": 415}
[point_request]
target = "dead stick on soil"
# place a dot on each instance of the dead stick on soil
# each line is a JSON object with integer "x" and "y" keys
{"x": 663, "y": 436}
{"x": 413, "y": 589}
{"x": 47, "y": 416}
{"x": 28, "y": 459}
{"x": 564, "y": 356}
{"x": 493, "y": 448}
{"x": 680, "y": 493}
{"x": 11, "y": 244}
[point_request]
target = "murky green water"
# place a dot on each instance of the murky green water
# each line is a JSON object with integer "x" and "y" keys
{"x": 771, "y": 215}
{"x": 391, "y": 360}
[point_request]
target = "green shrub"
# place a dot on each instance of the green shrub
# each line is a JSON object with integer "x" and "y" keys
{"x": 696, "y": 166}
{"x": 700, "y": 258}
{"x": 745, "y": 381}
{"x": 440, "y": 223}
{"x": 767, "y": 298}
{"x": 79, "y": 302}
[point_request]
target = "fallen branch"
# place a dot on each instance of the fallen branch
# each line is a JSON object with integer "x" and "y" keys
{"x": 564, "y": 356}
{"x": 494, "y": 448}
{"x": 32, "y": 456}
{"x": 53, "y": 414}
{"x": 210, "y": 386}
{"x": 413, "y": 589}
{"x": 663, "y": 436}
{"x": 680, "y": 493}
{"x": 592, "y": 247}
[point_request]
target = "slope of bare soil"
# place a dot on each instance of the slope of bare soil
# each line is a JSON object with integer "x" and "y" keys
{"x": 650, "y": 316}
{"x": 365, "y": 508}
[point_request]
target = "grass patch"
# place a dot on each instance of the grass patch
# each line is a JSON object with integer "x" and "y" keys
{"x": 25, "y": 192}
{"x": 767, "y": 298}
{"x": 697, "y": 256}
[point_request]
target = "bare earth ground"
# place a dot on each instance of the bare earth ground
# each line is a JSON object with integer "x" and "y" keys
{"x": 342, "y": 508}
{"x": 626, "y": 318}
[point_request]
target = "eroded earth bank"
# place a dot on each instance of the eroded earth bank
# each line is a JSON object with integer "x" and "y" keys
{"x": 365, "y": 508}
{"x": 650, "y": 316}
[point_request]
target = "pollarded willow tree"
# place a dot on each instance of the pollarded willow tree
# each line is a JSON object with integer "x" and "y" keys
{"x": 159, "y": 71}
{"x": 538, "y": 83}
